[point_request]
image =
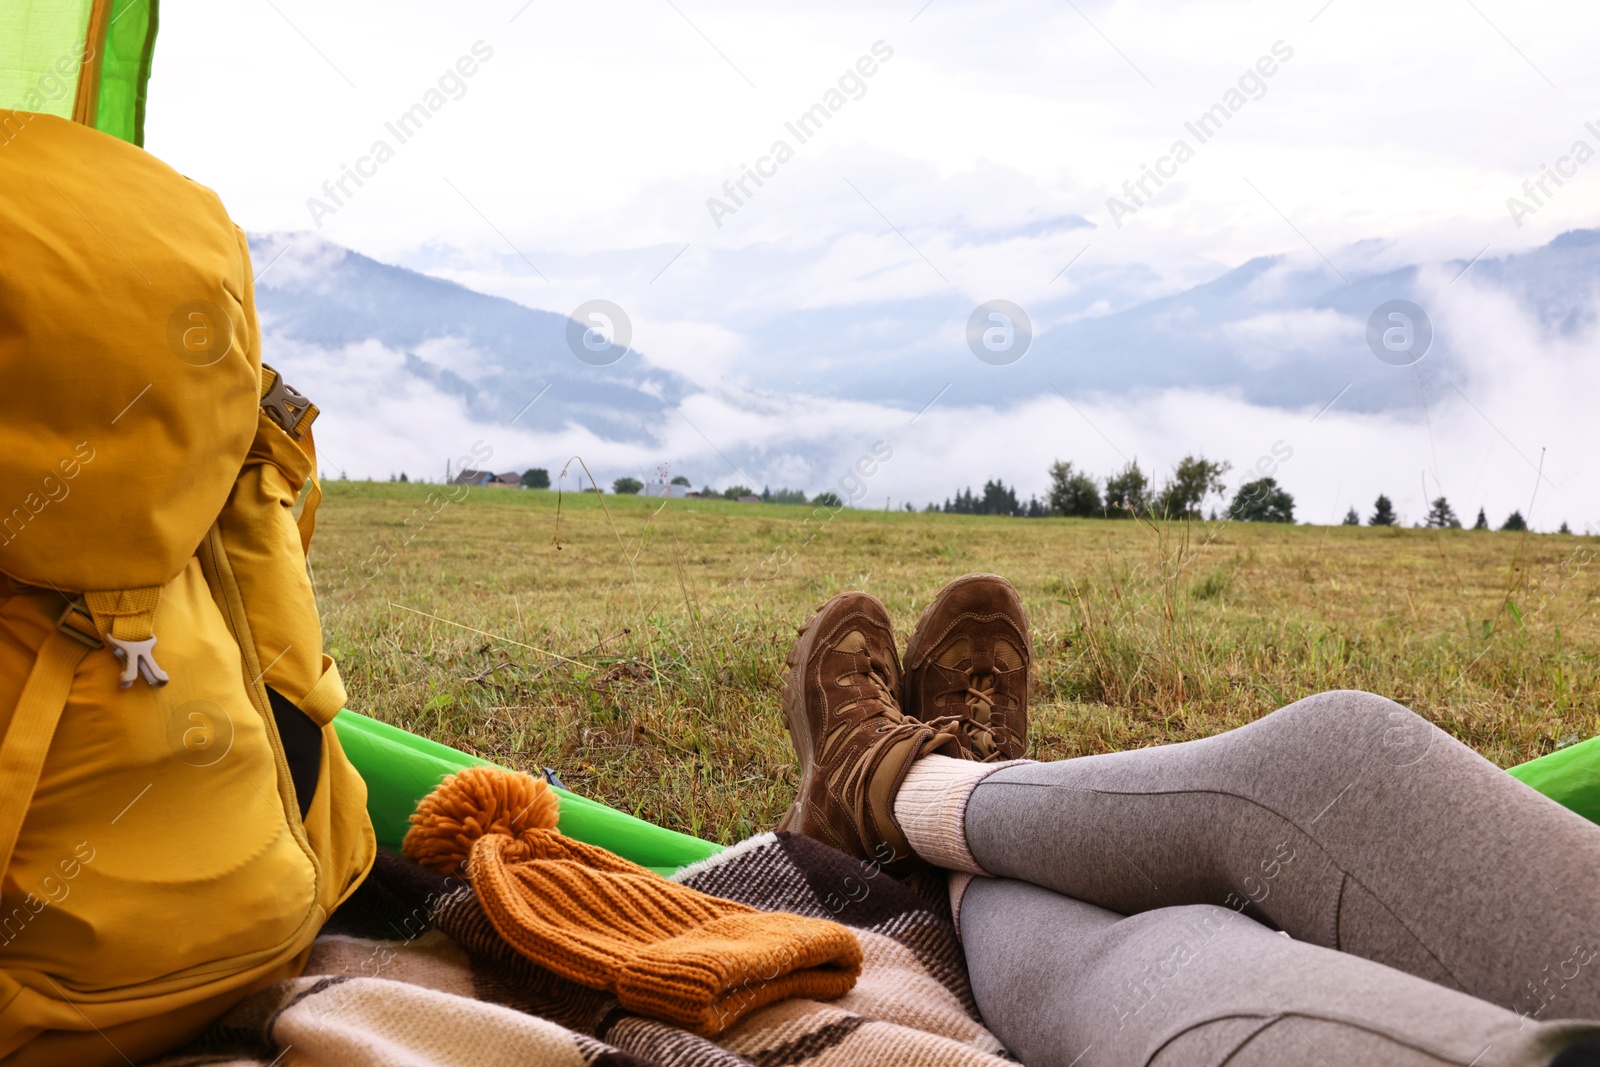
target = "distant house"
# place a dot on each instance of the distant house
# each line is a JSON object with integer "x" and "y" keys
{"x": 476, "y": 477}
{"x": 750, "y": 500}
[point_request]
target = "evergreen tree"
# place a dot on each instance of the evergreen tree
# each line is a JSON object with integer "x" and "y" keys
{"x": 998, "y": 499}
{"x": 1262, "y": 500}
{"x": 1352, "y": 518}
{"x": 1514, "y": 522}
{"x": 1564, "y": 528}
{"x": 1441, "y": 516}
{"x": 1383, "y": 512}
{"x": 1483, "y": 521}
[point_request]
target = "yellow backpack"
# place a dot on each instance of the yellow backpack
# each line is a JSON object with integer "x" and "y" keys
{"x": 177, "y": 819}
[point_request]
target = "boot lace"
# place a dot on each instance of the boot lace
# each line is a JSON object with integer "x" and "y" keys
{"x": 979, "y": 737}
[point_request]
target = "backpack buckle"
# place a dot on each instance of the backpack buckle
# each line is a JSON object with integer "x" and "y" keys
{"x": 288, "y": 407}
{"x": 78, "y": 624}
{"x": 135, "y": 656}
{"x": 138, "y": 662}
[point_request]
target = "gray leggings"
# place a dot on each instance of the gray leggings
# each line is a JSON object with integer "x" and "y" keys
{"x": 1438, "y": 911}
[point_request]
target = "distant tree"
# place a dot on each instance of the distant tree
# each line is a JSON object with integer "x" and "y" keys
{"x": 1127, "y": 492}
{"x": 1441, "y": 516}
{"x": 1193, "y": 479}
{"x": 403, "y": 477}
{"x": 783, "y": 496}
{"x": 998, "y": 499}
{"x": 1262, "y": 500}
{"x": 827, "y": 499}
{"x": 706, "y": 490}
{"x": 535, "y": 478}
{"x": 1036, "y": 509}
{"x": 1514, "y": 522}
{"x": 626, "y": 486}
{"x": 1072, "y": 492}
{"x": 679, "y": 479}
{"x": 1483, "y": 521}
{"x": 734, "y": 492}
{"x": 1382, "y": 513}
{"x": 1352, "y": 518}
{"x": 1564, "y": 528}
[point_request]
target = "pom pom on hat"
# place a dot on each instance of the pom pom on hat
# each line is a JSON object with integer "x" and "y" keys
{"x": 471, "y": 804}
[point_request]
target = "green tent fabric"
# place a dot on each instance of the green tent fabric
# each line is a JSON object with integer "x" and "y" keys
{"x": 401, "y": 768}
{"x": 130, "y": 43}
{"x": 78, "y": 59}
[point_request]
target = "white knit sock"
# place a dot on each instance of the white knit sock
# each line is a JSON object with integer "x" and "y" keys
{"x": 932, "y": 808}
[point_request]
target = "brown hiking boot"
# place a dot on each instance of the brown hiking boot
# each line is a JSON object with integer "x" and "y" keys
{"x": 968, "y": 661}
{"x": 841, "y": 704}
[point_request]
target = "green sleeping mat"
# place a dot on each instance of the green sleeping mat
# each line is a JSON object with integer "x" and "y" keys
{"x": 1570, "y": 776}
{"x": 401, "y": 768}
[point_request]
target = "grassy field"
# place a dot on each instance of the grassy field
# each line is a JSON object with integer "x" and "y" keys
{"x": 638, "y": 648}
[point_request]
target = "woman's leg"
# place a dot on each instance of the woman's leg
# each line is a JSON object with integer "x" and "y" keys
{"x": 1342, "y": 819}
{"x": 1062, "y": 982}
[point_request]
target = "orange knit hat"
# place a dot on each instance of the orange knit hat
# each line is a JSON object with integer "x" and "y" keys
{"x": 665, "y": 950}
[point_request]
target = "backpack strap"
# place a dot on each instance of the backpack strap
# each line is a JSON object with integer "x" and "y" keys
{"x": 307, "y": 522}
{"x": 294, "y": 413}
{"x": 33, "y": 725}
{"x": 126, "y": 619}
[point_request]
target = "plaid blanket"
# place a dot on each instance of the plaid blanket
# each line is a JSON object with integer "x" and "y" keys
{"x": 411, "y": 972}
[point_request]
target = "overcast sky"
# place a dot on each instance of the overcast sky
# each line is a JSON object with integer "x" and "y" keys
{"x": 577, "y": 158}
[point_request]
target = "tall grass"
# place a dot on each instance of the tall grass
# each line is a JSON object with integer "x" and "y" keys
{"x": 637, "y": 647}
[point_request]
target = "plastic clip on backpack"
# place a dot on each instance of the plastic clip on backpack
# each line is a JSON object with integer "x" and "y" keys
{"x": 177, "y": 818}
